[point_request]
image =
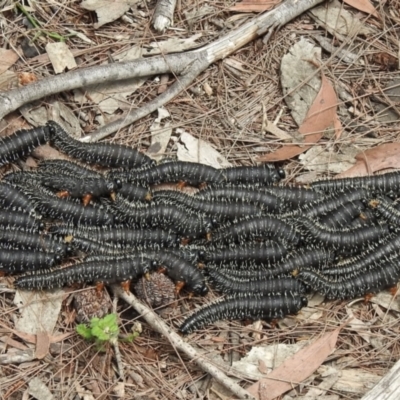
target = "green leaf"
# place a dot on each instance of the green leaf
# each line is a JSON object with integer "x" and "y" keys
{"x": 99, "y": 333}
{"x": 84, "y": 331}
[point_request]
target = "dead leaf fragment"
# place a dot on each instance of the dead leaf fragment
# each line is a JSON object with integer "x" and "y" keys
{"x": 39, "y": 390}
{"x": 363, "y": 5}
{"x": 7, "y": 58}
{"x": 321, "y": 115}
{"x": 254, "y": 5}
{"x": 26, "y": 78}
{"x": 160, "y": 135}
{"x": 60, "y": 57}
{"x": 376, "y": 159}
{"x": 107, "y": 10}
{"x": 295, "y": 369}
{"x": 42, "y": 344}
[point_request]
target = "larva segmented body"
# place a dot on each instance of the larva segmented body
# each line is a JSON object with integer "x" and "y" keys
{"x": 180, "y": 271}
{"x": 251, "y": 307}
{"x": 120, "y": 236}
{"x": 258, "y": 227}
{"x": 132, "y": 192}
{"x": 257, "y": 253}
{"x": 65, "y": 167}
{"x": 371, "y": 259}
{"x": 193, "y": 174}
{"x": 259, "y": 175}
{"x": 343, "y": 216}
{"x": 347, "y": 239}
{"x": 75, "y": 213}
{"x": 232, "y": 285}
{"x": 22, "y": 143}
{"x": 19, "y": 220}
{"x": 104, "y": 154}
{"x": 358, "y": 285}
{"x": 386, "y": 210}
{"x": 124, "y": 269}
{"x": 386, "y": 183}
{"x": 12, "y": 198}
{"x": 32, "y": 241}
{"x": 17, "y": 261}
{"x": 221, "y": 209}
{"x": 188, "y": 224}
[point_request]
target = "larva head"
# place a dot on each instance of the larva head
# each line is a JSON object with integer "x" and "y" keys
{"x": 52, "y": 127}
{"x": 114, "y": 185}
{"x": 304, "y": 301}
{"x": 281, "y": 173}
{"x": 57, "y": 258}
{"x": 200, "y": 289}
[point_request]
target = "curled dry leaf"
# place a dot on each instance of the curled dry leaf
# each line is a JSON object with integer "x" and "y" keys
{"x": 295, "y": 369}
{"x": 376, "y": 159}
{"x": 363, "y": 5}
{"x": 320, "y": 116}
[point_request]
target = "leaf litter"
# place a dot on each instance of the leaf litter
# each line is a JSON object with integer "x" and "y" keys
{"x": 229, "y": 122}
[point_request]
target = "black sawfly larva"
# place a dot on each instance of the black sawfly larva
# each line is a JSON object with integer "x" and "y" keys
{"x": 251, "y": 307}
{"x": 261, "y": 175}
{"x": 12, "y": 198}
{"x": 18, "y": 220}
{"x": 358, "y": 285}
{"x": 22, "y": 143}
{"x": 342, "y": 216}
{"x": 108, "y": 272}
{"x": 104, "y": 154}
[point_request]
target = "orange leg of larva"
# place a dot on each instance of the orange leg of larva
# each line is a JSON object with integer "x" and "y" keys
{"x": 113, "y": 196}
{"x": 62, "y": 194}
{"x": 86, "y": 199}
{"x": 178, "y": 287}
{"x": 2, "y": 273}
{"x": 126, "y": 285}
{"x": 99, "y": 287}
{"x": 373, "y": 203}
{"x": 162, "y": 270}
{"x": 202, "y": 185}
{"x": 368, "y": 297}
{"x": 148, "y": 196}
{"x": 68, "y": 239}
{"x": 208, "y": 236}
{"x": 201, "y": 265}
{"x": 180, "y": 185}
{"x": 295, "y": 272}
{"x": 185, "y": 241}
{"x": 393, "y": 290}
{"x": 274, "y": 323}
{"x": 363, "y": 216}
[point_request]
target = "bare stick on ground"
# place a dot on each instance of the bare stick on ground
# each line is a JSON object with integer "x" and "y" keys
{"x": 178, "y": 64}
{"x": 161, "y": 327}
{"x": 163, "y": 16}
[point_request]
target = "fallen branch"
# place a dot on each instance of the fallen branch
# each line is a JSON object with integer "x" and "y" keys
{"x": 161, "y": 327}
{"x": 163, "y": 16}
{"x": 177, "y": 64}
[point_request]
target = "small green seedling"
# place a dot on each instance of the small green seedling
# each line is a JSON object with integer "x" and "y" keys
{"x": 103, "y": 330}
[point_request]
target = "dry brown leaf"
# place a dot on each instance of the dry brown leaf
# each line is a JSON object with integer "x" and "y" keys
{"x": 295, "y": 369}
{"x": 254, "y": 5}
{"x": 8, "y": 58}
{"x": 320, "y": 116}
{"x": 376, "y": 159}
{"x": 363, "y": 5}
{"x": 42, "y": 345}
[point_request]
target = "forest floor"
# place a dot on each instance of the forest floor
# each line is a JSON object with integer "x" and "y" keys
{"x": 229, "y": 116}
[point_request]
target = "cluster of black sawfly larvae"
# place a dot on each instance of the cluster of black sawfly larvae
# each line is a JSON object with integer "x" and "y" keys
{"x": 262, "y": 244}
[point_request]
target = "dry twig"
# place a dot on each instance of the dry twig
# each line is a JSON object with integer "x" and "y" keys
{"x": 160, "y": 326}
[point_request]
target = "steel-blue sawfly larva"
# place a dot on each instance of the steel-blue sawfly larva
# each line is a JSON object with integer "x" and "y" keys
{"x": 343, "y": 216}
{"x": 247, "y": 307}
{"x": 32, "y": 241}
{"x": 373, "y": 258}
{"x": 233, "y": 285}
{"x": 347, "y": 239}
{"x": 104, "y": 154}
{"x": 256, "y": 252}
{"x": 120, "y": 236}
{"x": 191, "y": 173}
{"x": 262, "y": 174}
{"x": 221, "y": 209}
{"x": 12, "y": 198}
{"x": 18, "y": 220}
{"x": 258, "y": 227}
{"x": 182, "y": 222}
{"x": 125, "y": 269}
{"x": 22, "y": 143}
{"x": 17, "y": 261}
{"x": 49, "y": 205}
{"x": 357, "y": 285}
{"x": 385, "y": 183}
